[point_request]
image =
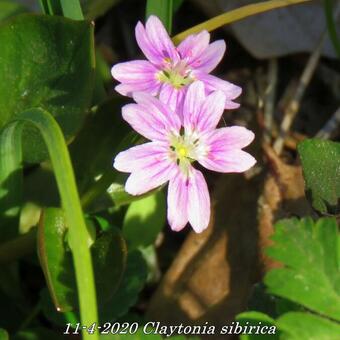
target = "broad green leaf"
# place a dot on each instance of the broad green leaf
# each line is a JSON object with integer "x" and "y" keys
{"x": 3, "y": 334}
{"x": 163, "y": 9}
{"x": 258, "y": 319}
{"x": 71, "y": 9}
{"x": 47, "y": 62}
{"x": 144, "y": 220}
{"x": 235, "y": 15}
{"x": 298, "y": 326}
{"x": 108, "y": 256}
{"x": 56, "y": 259}
{"x": 51, "y": 314}
{"x": 311, "y": 275}
{"x": 321, "y": 169}
{"x": 9, "y": 8}
{"x": 133, "y": 281}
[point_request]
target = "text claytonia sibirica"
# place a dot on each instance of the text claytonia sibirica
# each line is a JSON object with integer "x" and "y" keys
{"x": 169, "y": 70}
{"x": 177, "y": 140}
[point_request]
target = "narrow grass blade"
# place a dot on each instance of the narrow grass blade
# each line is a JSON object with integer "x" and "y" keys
{"x": 163, "y": 9}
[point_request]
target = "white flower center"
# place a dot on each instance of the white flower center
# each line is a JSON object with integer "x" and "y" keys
{"x": 177, "y": 74}
{"x": 185, "y": 149}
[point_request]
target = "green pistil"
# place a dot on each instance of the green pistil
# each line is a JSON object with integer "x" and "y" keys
{"x": 174, "y": 78}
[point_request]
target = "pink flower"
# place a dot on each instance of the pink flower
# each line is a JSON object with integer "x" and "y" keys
{"x": 175, "y": 145}
{"x": 169, "y": 70}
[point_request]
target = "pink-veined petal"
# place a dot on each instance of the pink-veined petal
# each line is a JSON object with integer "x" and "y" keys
{"x": 213, "y": 83}
{"x": 178, "y": 202}
{"x": 211, "y": 57}
{"x": 146, "y": 45}
{"x": 150, "y": 87}
{"x": 198, "y": 201}
{"x": 224, "y": 150}
{"x": 136, "y": 157}
{"x": 172, "y": 97}
{"x": 150, "y": 176}
{"x": 159, "y": 38}
{"x": 193, "y": 46}
{"x": 150, "y": 117}
{"x": 211, "y": 111}
{"x": 192, "y": 105}
{"x": 137, "y": 75}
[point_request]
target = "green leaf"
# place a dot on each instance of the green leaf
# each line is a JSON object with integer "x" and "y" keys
{"x": 311, "y": 275}
{"x": 256, "y": 319}
{"x": 46, "y": 61}
{"x": 321, "y": 168}
{"x": 3, "y": 334}
{"x": 56, "y": 259}
{"x": 133, "y": 281}
{"x": 144, "y": 220}
{"x": 108, "y": 256}
{"x": 163, "y": 9}
{"x": 8, "y": 9}
{"x": 297, "y": 326}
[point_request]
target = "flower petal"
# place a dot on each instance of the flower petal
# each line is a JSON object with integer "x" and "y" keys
{"x": 178, "y": 202}
{"x": 159, "y": 38}
{"x": 193, "y": 46}
{"x": 172, "y": 97}
{"x": 139, "y": 74}
{"x": 211, "y": 57}
{"x": 199, "y": 201}
{"x": 146, "y": 46}
{"x": 224, "y": 154}
{"x": 213, "y": 83}
{"x": 150, "y": 117}
{"x": 211, "y": 111}
{"x": 136, "y": 157}
{"x": 192, "y": 105}
{"x": 151, "y": 175}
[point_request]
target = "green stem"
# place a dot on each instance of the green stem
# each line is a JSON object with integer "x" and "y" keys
{"x": 328, "y": 6}
{"x": 61, "y": 162}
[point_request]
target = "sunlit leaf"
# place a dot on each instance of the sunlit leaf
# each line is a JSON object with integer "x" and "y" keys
{"x": 46, "y": 61}
{"x": 297, "y": 326}
{"x": 321, "y": 169}
{"x": 311, "y": 275}
{"x": 144, "y": 220}
{"x": 255, "y": 319}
